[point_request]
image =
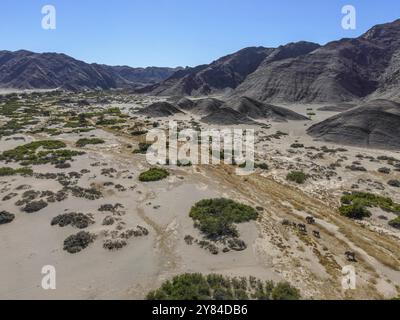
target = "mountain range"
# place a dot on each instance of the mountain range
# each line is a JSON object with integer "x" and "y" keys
{"x": 367, "y": 67}
{"x": 363, "y": 68}
{"x": 28, "y": 70}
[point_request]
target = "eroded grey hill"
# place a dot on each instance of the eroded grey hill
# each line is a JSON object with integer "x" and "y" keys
{"x": 375, "y": 124}
{"x": 159, "y": 109}
{"x": 339, "y": 107}
{"x": 200, "y": 107}
{"x": 241, "y": 111}
{"x": 258, "y": 110}
{"x": 227, "y": 116}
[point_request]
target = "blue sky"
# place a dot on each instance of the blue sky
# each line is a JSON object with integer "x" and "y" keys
{"x": 179, "y": 32}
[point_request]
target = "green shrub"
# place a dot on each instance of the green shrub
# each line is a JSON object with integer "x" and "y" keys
{"x": 184, "y": 287}
{"x": 109, "y": 122}
{"x": 355, "y": 210}
{"x": 284, "y": 291}
{"x": 297, "y": 176}
{"x": 395, "y": 223}
{"x": 262, "y": 166}
{"x": 139, "y": 132}
{"x": 28, "y": 155}
{"x": 113, "y": 111}
{"x": 153, "y": 174}
{"x": 51, "y": 131}
{"x": 195, "y": 286}
{"x": 371, "y": 200}
{"x": 6, "y": 171}
{"x": 85, "y": 141}
{"x": 215, "y": 217}
{"x": 28, "y": 151}
{"x": 82, "y": 130}
{"x": 73, "y": 124}
{"x": 143, "y": 147}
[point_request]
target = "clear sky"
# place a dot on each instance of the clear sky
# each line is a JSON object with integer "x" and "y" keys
{"x": 179, "y": 32}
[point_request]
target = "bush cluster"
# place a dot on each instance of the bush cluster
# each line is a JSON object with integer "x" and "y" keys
{"x": 355, "y": 205}
{"x": 395, "y": 223}
{"x": 216, "y": 217}
{"x": 85, "y": 141}
{"x": 28, "y": 154}
{"x": 195, "y": 286}
{"x": 6, "y": 171}
{"x": 297, "y": 176}
{"x": 143, "y": 147}
{"x": 153, "y": 174}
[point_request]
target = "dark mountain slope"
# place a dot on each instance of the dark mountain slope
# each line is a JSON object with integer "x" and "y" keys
{"x": 29, "y": 70}
{"x": 375, "y": 124}
{"x": 343, "y": 70}
{"x": 225, "y": 73}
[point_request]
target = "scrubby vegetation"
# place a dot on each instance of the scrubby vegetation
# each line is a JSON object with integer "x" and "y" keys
{"x": 355, "y": 205}
{"x": 109, "y": 121}
{"x": 384, "y": 170}
{"x": 297, "y": 176}
{"x": 86, "y": 193}
{"x": 139, "y": 132}
{"x": 34, "y": 206}
{"x": 6, "y": 171}
{"x": 394, "y": 183}
{"x": 372, "y": 200}
{"x": 6, "y": 217}
{"x": 20, "y": 115}
{"x": 153, "y": 174}
{"x": 85, "y": 141}
{"x": 297, "y": 145}
{"x": 195, "y": 286}
{"x": 78, "y": 242}
{"x": 78, "y": 220}
{"x": 284, "y": 291}
{"x": 143, "y": 147}
{"x": 28, "y": 154}
{"x": 262, "y": 165}
{"x": 216, "y": 217}
{"x": 395, "y": 223}
{"x": 355, "y": 210}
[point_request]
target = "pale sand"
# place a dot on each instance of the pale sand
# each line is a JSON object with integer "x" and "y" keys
{"x": 274, "y": 252}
